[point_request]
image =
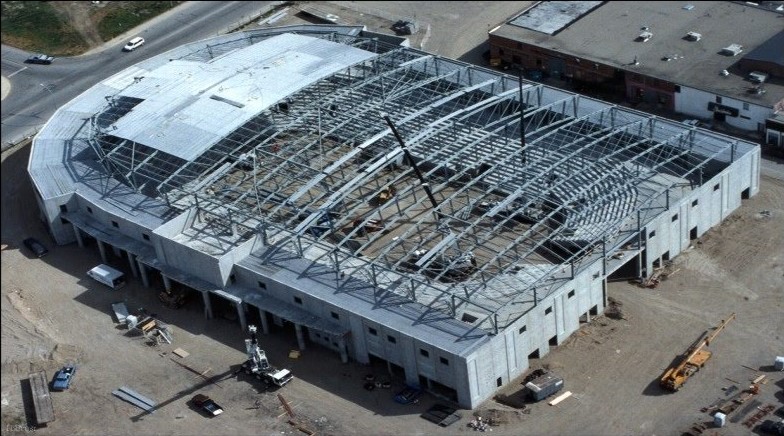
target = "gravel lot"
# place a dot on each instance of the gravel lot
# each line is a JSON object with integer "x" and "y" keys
{"x": 53, "y": 314}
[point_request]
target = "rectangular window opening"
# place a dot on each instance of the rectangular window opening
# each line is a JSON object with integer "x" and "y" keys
{"x": 372, "y": 331}
{"x": 298, "y": 300}
{"x": 262, "y": 285}
{"x": 522, "y": 330}
{"x": 674, "y": 218}
{"x": 335, "y": 315}
{"x": 424, "y": 353}
{"x": 392, "y": 339}
{"x": 570, "y": 294}
{"x": 695, "y": 202}
{"x": 444, "y": 361}
{"x": 716, "y": 187}
{"x": 549, "y": 310}
{"x": 114, "y": 224}
{"x": 145, "y": 236}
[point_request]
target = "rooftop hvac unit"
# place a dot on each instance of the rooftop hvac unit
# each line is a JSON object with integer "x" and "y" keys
{"x": 732, "y": 50}
{"x": 693, "y": 36}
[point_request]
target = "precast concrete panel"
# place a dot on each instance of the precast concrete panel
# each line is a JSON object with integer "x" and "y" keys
{"x": 190, "y": 260}
{"x": 359, "y": 339}
{"x": 50, "y": 212}
{"x": 425, "y": 363}
{"x": 406, "y": 354}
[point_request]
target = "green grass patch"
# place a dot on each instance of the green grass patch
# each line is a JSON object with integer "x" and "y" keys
{"x": 36, "y": 26}
{"x": 129, "y": 15}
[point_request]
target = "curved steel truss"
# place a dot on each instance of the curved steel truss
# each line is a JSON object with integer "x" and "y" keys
{"x": 319, "y": 174}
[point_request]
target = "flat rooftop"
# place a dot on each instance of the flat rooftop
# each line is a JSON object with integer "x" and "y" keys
{"x": 696, "y": 64}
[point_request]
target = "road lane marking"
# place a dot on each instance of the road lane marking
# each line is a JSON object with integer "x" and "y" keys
{"x": 17, "y": 72}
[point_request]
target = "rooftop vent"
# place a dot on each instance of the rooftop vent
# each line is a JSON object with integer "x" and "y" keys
{"x": 644, "y": 36}
{"x": 693, "y": 36}
{"x": 732, "y": 50}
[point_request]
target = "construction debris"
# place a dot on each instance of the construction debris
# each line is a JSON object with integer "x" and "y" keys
{"x": 151, "y": 328}
{"x": 761, "y": 413}
{"x": 479, "y": 425}
{"x": 133, "y": 397}
{"x": 560, "y": 398}
{"x": 659, "y": 274}
{"x": 613, "y": 310}
{"x": 120, "y": 311}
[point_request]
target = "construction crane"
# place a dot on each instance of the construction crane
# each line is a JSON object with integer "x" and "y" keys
{"x": 695, "y": 357}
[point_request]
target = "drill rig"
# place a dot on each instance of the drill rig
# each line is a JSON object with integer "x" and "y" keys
{"x": 258, "y": 365}
{"x": 694, "y": 359}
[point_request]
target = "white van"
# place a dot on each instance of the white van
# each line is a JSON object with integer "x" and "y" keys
{"x": 134, "y": 43}
{"x": 108, "y": 276}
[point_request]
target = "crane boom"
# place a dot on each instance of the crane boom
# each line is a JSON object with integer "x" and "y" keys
{"x": 696, "y": 357}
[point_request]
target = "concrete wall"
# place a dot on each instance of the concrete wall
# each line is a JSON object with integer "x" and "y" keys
{"x": 704, "y": 208}
{"x": 181, "y": 256}
{"x": 505, "y": 357}
{"x": 49, "y": 210}
{"x": 694, "y": 102}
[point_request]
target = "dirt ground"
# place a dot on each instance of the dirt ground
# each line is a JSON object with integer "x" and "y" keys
{"x": 53, "y": 314}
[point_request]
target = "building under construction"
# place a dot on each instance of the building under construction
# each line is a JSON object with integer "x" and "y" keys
{"x": 379, "y": 200}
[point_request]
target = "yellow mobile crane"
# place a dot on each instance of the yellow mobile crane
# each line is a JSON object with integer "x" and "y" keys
{"x": 695, "y": 358}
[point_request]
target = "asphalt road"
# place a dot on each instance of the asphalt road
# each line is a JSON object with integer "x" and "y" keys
{"x": 37, "y": 90}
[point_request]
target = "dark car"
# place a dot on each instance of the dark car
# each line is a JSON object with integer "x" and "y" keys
{"x": 40, "y": 59}
{"x": 408, "y": 395}
{"x": 772, "y": 427}
{"x": 405, "y": 27}
{"x": 206, "y": 404}
{"x": 62, "y": 380}
{"x": 36, "y": 247}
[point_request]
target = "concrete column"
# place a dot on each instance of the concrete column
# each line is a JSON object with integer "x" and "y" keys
{"x": 117, "y": 251}
{"x": 300, "y": 336}
{"x": 78, "y": 234}
{"x": 241, "y": 316}
{"x": 132, "y": 262}
{"x": 166, "y": 283}
{"x": 207, "y": 305}
{"x": 264, "y": 322}
{"x": 343, "y": 351}
{"x": 143, "y": 273}
{"x": 102, "y": 250}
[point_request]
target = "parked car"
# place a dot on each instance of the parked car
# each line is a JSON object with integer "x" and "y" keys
{"x": 63, "y": 377}
{"x": 40, "y": 59}
{"x": 134, "y": 43}
{"x": 772, "y": 427}
{"x": 36, "y": 247}
{"x": 408, "y": 395}
{"x": 206, "y": 404}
